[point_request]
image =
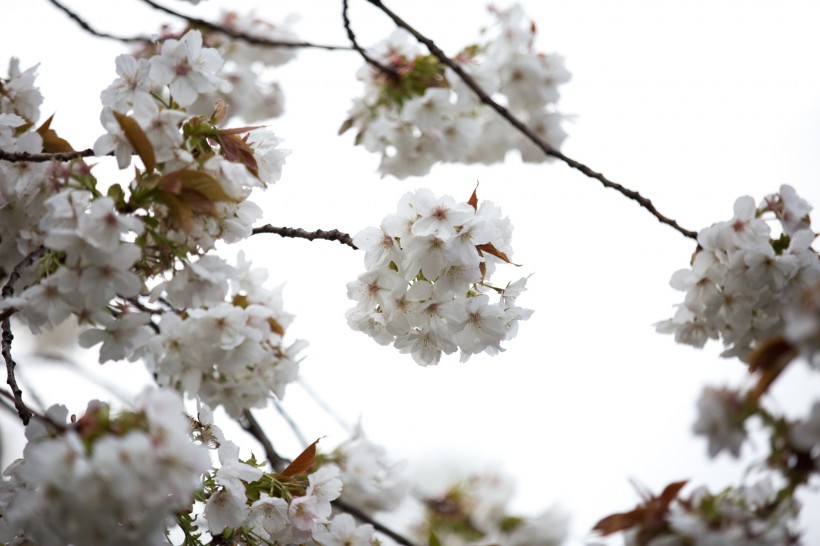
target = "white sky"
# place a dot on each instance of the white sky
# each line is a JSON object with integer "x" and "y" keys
{"x": 693, "y": 103}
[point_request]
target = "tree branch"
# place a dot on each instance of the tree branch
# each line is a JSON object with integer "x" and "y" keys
{"x": 88, "y": 28}
{"x": 361, "y": 516}
{"x": 8, "y": 291}
{"x": 251, "y": 39}
{"x": 44, "y": 157}
{"x": 251, "y": 425}
{"x": 524, "y": 130}
{"x": 8, "y": 405}
{"x": 367, "y": 58}
{"x": 299, "y": 233}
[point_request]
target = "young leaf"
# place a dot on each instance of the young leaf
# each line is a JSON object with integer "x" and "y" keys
{"x": 490, "y": 249}
{"x": 236, "y": 150}
{"x": 139, "y": 141}
{"x": 51, "y": 142}
{"x": 303, "y": 462}
{"x": 473, "y": 201}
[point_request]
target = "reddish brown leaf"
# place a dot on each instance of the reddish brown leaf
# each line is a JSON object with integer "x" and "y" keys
{"x": 187, "y": 180}
{"x": 198, "y": 202}
{"x": 237, "y": 150}
{"x": 619, "y": 522}
{"x": 275, "y": 327}
{"x": 348, "y": 123}
{"x": 138, "y": 139}
{"x": 770, "y": 359}
{"x": 205, "y": 184}
{"x": 241, "y": 130}
{"x": 51, "y": 142}
{"x": 490, "y": 249}
{"x": 670, "y": 492}
{"x": 182, "y": 217}
{"x": 770, "y": 353}
{"x": 651, "y": 515}
{"x": 473, "y": 201}
{"x": 220, "y": 111}
{"x": 303, "y": 462}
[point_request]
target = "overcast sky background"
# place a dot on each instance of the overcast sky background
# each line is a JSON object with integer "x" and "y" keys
{"x": 692, "y": 103}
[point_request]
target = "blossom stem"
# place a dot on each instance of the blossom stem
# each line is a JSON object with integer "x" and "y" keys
{"x": 299, "y": 233}
{"x": 485, "y": 98}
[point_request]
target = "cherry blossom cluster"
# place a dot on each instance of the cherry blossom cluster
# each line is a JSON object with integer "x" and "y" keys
{"x": 474, "y": 511}
{"x": 104, "y": 478}
{"x": 753, "y": 515}
{"x": 371, "y": 482}
{"x": 743, "y": 277}
{"x": 246, "y": 88}
{"x": 103, "y": 253}
{"x": 421, "y": 112}
{"x": 228, "y": 349}
{"x": 428, "y": 268}
{"x": 257, "y": 507}
{"x": 23, "y": 186}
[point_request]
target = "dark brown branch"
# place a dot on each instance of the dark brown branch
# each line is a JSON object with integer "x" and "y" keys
{"x": 8, "y": 291}
{"x": 250, "y": 424}
{"x": 40, "y": 417}
{"x": 251, "y": 39}
{"x": 361, "y": 516}
{"x": 332, "y": 235}
{"x": 88, "y": 28}
{"x": 367, "y": 58}
{"x": 523, "y": 129}
{"x": 44, "y": 157}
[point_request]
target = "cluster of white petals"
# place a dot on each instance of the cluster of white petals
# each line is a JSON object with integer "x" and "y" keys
{"x": 475, "y": 511}
{"x": 743, "y": 516}
{"x": 721, "y": 419}
{"x": 23, "y": 186}
{"x": 228, "y": 348}
{"x": 92, "y": 484}
{"x": 246, "y": 84}
{"x": 425, "y": 114}
{"x": 743, "y": 280}
{"x": 428, "y": 268}
{"x": 371, "y": 482}
{"x": 241, "y": 497}
{"x": 101, "y": 253}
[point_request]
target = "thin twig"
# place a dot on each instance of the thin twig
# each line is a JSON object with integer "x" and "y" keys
{"x": 367, "y": 58}
{"x": 300, "y": 436}
{"x": 44, "y": 157}
{"x": 325, "y": 406}
{"x": 299, "y": 233}
{"x": 88, "y": 28}
{"x": 34, "y": 414}
{"x": 251, "y": 425}
{"x": 361, "y": 516}
{"x": 8, "y": 291}
{"x": 523, "y": 129}
{"x": 251, "y": 39}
